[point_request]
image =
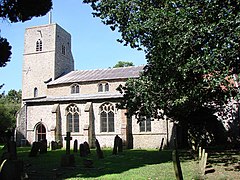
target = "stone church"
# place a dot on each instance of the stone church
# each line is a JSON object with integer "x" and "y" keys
{"x": 57, "y": 99}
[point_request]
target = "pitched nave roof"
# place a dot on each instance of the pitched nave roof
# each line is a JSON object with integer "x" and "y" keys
{"x": 99, "y": 75}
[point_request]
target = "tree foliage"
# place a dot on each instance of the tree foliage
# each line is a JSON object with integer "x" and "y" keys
{"x": 9, "y": 106}
{"x": 192, "y": 50}
{"x": 19, "y": 11}
{"x": 123, "y": 64}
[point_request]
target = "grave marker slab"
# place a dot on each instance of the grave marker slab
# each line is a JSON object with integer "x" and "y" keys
{"x": 99, "y": 151}
{"x": 35, "y": 149}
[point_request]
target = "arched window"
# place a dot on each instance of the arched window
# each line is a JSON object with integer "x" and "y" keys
{"x": 41, "y": 132}
{"x": 39, "y": 45}
{"x": 145, "y": 125}
{"x": 100, "y": 88}
{"x": 35, "y": 93}
{"x": 75, "y": 89}
{"x": 63, "y": 49}
{"x": 107, "y": 118}
{"x": 106, "y": 87}
{"x": 103, "y": 87}
{"x": 72, "y": 118}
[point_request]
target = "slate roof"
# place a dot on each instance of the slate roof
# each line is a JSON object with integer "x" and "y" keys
{"x": 99, "y": 75}
{"x": 78, "y": 97}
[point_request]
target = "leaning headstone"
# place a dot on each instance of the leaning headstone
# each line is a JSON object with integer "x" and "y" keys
{"x": 87, "y": 147}
{"x": 43, "y": 146}
{"x": 68, "y": 159}
{"x": 82, "y": 150}
{"x": 161, "y": 146}
{"x": 75, "y": 146}
{"x": 99, "y": 151}
{"x": 177, "y": 166}
{"x": 35, "y": 149}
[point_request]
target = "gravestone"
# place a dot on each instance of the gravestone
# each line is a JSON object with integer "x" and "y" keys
{"x": 82, "y": 150}
{"x": 54, "y": 145}
{"x": 75, "y": 146}
{"x": 161, "y": 146}
{"x": 68, "y": 159}
{"x": 118, "y": 145}
{"x": 35, "y": 149}
{"x": 99, "y": 151}
{"x": 87, "y": 147}
{"x": 43, "y": 146}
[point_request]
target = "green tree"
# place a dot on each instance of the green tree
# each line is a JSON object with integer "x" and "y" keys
{"x": 192, "y": 50}
{"x": 123, "y": 64}
{"x": 19, "y": 11}
{"x": 9, "y": 106}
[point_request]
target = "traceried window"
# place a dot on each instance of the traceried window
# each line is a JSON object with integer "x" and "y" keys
{"x": 41, "y": 132}
{"x": 75, "y": 89}
{"x": 145, "y": 125}
{"x": 72, "y": 118}
{"x": 103, "y": 87}
{"x": 39, "y": 45}
{"x": 107, "y": 118}
{"x": 35, "y": 93}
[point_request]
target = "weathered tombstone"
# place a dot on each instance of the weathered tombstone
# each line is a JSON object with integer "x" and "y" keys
{"x": 54, "y": 145}
{"x": 35, "y": 149}
{"x": 177, "y": 166}
{"x": 115, "y": 146}
{"x": 99, "y": 151}
{"x": 161, "y": 146}
{"x": 87, "y": 147}
{"x": 82, "y": 150}
{"x": 120, "y": 145}
{"x": 68, "y": 159}
{"x": 43, "y": 146}
{"x": 75, "y": 146}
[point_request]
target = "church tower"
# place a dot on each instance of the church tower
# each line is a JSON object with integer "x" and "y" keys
{"x": 47, "y": 56}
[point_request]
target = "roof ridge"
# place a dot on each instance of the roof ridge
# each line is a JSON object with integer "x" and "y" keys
{"x": 110, "y": 68}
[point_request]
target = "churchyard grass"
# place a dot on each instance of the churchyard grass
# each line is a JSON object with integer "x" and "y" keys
{"x": 131, "y": 164}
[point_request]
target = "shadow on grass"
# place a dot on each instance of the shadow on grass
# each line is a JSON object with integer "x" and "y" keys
{"x": 47, "y": 166}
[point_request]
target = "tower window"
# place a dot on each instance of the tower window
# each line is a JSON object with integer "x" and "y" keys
{"x": 72, "y": 118}
{"x": 75, "y": 89}
{"x": 39, "y": 45}
{"x": 35, "y": 93}
{"x": 63, "y": 50}
{"x": 107, "y": 117}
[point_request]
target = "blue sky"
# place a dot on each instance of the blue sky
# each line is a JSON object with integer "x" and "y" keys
{"x": 94, "y": 45}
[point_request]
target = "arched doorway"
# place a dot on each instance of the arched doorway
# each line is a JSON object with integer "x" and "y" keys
{"x": 40, "y": 132}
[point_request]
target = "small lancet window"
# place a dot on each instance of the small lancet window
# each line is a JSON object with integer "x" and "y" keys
{"x": 63, "y": 50}
{"x": 103, "y": 87}
{"x": 39, "y": 45}
{"x": 35, "y": 93}
{"x": 75, "y": 89}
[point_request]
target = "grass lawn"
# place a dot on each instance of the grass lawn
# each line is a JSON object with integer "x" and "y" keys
{"x": 131, "y": 164}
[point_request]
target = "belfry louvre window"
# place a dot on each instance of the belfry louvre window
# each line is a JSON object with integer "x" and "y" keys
{"x": 75, "y": 89}
{"x": 35, "y": 93}
{"x": 39, "y": 45}
{"x": 107, "y": 118}
{"x": 72, "y": 118}
{"x": 145, "y": 125}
